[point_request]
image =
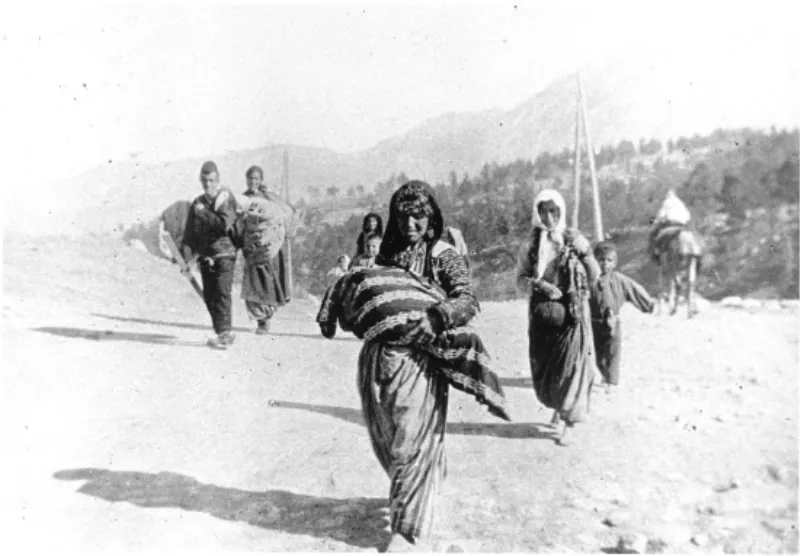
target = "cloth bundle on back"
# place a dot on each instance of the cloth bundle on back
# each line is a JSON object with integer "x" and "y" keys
{"x": 265, "y": 226}
{"x": 264, "y": 223}
{"x": 383, "y": 304}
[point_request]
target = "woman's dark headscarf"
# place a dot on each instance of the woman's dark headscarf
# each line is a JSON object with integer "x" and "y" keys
{"x": 362, "y": 237}
{"x": 377, "y": 217}
{"x": 415, "y": 197}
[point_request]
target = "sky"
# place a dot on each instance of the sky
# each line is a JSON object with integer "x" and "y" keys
{"x": 87, "y": 83}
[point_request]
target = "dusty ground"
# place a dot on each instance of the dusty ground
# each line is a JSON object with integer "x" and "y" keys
{"x": 123, "y": 431}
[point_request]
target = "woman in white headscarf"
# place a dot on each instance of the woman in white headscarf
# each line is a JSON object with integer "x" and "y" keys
{"x": 557, "y": 268}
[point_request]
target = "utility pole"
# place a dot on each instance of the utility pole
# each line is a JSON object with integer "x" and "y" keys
{"x": 288, "y": 241}
{"x": 598, "y": 217}
{"x": 577, "y": 161}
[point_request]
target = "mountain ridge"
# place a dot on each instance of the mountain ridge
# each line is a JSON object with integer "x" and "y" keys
{"x": 631, "y": 98}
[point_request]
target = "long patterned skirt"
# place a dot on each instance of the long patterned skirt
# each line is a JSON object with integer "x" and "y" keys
{"x": 405, "y": 409}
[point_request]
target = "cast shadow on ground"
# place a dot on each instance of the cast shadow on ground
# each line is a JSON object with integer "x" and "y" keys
{"x": 358, "y": 522}
{"x": 114, "y": 336}
{"x": 317, "y": 336}
{"x": 519, "y": 382}
{"x": 192, "y": 326}
{"x": 189, "y": 325}
{"x": 497, "y": 430}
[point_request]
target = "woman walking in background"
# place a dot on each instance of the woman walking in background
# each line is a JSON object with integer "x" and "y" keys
{"x": 372, "y": 225}
{"x": 558, "y": 269}
{"x": 404, "y": 397}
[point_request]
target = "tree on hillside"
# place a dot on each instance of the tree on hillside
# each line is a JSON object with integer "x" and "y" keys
{"x": 360, "y": 190}
{"x": 653, "y": 146}
{"x": 467, "y": 188}
{"x": 626, "y": 151}
{"x": 701, "y": 190}
{"x": 401, "y": 179}
{"x": 351, "y": 192}
{"x": 332, "y": 191}
{"x": 522, "y": 209}
{"x": 315, "y": 193}
{"x": 733, "y": 196}
{"x": 443, "y": 196}
{"x": 452, "y": 180}
{"x": 786, "y": 180}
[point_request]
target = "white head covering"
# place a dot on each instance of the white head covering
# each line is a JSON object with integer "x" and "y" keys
{"x": 553, "y": 238}
{"x": 555, "y": 196}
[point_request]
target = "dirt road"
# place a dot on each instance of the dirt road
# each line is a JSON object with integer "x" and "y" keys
{"x": 125, "y": 432}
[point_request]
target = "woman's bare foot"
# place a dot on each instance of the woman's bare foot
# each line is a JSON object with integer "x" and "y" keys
{"x": 399, "y": 543}
{"x": 562, "y": 439}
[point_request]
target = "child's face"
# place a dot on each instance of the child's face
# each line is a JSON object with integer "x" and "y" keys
{"x": 373, "y": 247}
{"x": 342, "y": 264}
{"x": 607, "y": 262}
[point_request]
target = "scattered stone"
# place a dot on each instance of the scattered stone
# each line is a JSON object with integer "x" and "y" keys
{"x": 730, "y": 485}
{"x": 632, "y": 543}
{"x": 613, "y": 493}
{"x": 700, "y": 539}
{"x": 751, "y": 304}
{"x": 656, "y": 546}
{"x": 732, "y": 301}
{"x": 583, "y": 504}
{"x": 673, "y": 534}
{"x": 707, "y": 510}
{"x": 776, "y": 473}
{"x": 617, "y": 518}
{"x": 719, "y": 419}
{"x": 674, "y": 476}
{"x": 454, "y": 548}
{"x": 672, "y": 514}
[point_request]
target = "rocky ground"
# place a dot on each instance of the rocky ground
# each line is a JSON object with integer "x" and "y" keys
{"x": 124, "y": 431}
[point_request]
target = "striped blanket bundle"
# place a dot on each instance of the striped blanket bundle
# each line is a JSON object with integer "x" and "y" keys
{"x": 383, "y": 304}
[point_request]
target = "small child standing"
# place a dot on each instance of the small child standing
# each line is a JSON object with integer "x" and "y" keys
{"x": 609, "y": 294}
{"x": 337, "y": 271}
{"x": 372, "y": 246}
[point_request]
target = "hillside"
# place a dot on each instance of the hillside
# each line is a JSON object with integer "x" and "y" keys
{"x": 647, "y": 95}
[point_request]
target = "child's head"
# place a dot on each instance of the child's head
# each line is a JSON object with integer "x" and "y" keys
{"x": 343, "y": 262}
{"x": 606, "y": 255}
{"x": 372, "y": 245}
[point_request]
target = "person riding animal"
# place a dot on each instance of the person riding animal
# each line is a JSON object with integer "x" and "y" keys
{"x": 672, "y": 218}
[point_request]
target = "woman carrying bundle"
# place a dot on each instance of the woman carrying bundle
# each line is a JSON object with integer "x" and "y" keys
{"x": 403, "y": 396}
{"x": 558, "y": 269}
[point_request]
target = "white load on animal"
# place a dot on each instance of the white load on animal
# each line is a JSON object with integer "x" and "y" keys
{"x": 673, "y": 211}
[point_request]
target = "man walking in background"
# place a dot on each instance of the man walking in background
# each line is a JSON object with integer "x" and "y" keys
{"x": 208, "y": 237}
